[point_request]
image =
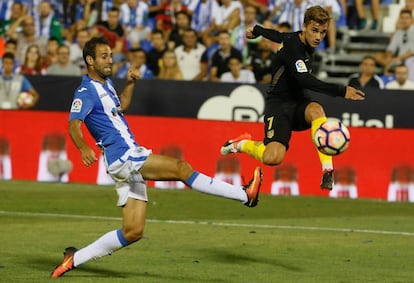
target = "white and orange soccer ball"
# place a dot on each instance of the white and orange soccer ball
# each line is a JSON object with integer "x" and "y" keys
{"x": 24, "y": 98}
{"x": 332, "y": 137}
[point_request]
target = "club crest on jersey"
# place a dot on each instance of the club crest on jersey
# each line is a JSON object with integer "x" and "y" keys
{"x": 76, "y": 106}
{"x": 301, "y": 66}
{"x": 270, "y": 134}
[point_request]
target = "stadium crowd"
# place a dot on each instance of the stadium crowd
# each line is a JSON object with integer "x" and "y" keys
{"x": 200, "y": 40}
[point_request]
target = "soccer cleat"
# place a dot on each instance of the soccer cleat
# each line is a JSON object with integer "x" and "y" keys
{"x": 231, "y": 146}
{"x": 253, "y": 188}
{"x": 67, "y": 263}
{"x": 327, "y": 180}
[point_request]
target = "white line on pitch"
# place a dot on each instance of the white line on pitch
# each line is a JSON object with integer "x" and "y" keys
{"x": 263, "y": 226}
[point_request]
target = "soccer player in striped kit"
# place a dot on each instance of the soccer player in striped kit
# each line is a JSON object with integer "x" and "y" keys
{"x": 97, "y": 104}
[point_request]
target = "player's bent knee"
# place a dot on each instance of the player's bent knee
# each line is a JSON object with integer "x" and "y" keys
{"x": 184, "y": 169}
{"x": 272, "y": 161}
{"x": 133, "y": 235}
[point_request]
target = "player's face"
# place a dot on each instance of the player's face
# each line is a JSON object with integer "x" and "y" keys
{"x": 8, "y": 65}
{"x": 103, "y": 61}
{"x": 314, "y": 33}
{"x": 401, "y": 74}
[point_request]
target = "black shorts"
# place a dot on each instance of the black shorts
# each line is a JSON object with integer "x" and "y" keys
{"x": 281, "y": 117}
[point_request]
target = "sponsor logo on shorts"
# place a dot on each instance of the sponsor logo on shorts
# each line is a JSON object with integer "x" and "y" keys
{"x": 76, "y": 106}
{"x": 301, "y": 66}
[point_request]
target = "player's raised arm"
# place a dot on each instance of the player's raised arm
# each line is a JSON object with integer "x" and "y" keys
{"x": 273, "y": 35}
{"x": 126, "y": 95}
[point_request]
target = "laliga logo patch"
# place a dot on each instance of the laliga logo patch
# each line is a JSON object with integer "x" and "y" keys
{"x": 76, "y": 106}
{"x": 301, "y": 66}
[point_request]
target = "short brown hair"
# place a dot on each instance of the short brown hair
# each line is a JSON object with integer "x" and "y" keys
{"x": 316, "y": 14}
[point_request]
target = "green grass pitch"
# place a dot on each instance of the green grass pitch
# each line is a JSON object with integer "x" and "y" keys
{"x": 193, "y": 237}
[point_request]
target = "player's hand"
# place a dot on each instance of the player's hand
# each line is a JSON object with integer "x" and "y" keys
{"x": 249, "y": 33}
{"x": 354, "y": 94}
{"x": 88, "y": 156}
{"x": 133, "y": 74}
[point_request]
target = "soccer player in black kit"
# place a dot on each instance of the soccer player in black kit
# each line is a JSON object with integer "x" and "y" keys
{"x": 287, "y": 107}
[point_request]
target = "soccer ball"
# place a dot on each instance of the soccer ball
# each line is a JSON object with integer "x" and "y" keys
{"x": 24, "y": 99}
{"x": 332, "y": 137}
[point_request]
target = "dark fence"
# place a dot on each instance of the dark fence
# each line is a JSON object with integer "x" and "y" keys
{"x": 382, "y": 108}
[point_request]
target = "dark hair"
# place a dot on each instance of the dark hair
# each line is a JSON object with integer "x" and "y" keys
{"x": 369, "y": 57}
{"x": 316, "y": 14}
{"x": 8, "y": 55}
{"x": 136, "y": 49}
{"x": 158, "y": 31}
{"x": 406, "y": 11}
{"x": 286, "y": 25}
{"x": 12, "y": 41}
{"x": 114, "y": 9}
{"x": 90, "y": 47}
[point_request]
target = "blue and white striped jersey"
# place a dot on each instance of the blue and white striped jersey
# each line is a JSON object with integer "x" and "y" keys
{"x": 98, "y": 106}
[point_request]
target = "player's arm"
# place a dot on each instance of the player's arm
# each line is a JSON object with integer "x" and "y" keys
{"x": 75, "y": 132}
{"x": 126, "y": 95}
{"x": 297, "y": 66}
{"x": 273, "y": 35}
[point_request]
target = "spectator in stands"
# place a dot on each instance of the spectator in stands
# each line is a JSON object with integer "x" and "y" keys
{"x": 52, "y": 51}
{"x": 12, "y": 85}
{"x": 11, "y": 47}
{"x": 63, "y": 65}
{"x": 237, "y": 74}
{"x": 158, "y": 49}
{"x": 76, "y": 54}
{"x": 169, "y": 69}
{"x": 27, "y": 37}
{"x": 261, "y": 7}
{"x": 366, "y": 78}
{"x": 375, "y": 10}
{"x": 231, "y": 15}
{"x": 189, "y": 56}
{"x": 33, "y": 63}
{"x": 219, "y": 61}
{"x": 135, "y": 57}
{"x": 113, "y": 31}
{"x": 17, "y": 11}
{"x": 134, "y": 19}
{"x": 182, "y": 23}
{"x": 167, "y": 16}
{"x": 5, "y": 10}
{"x": 293, "y": 12}
{"x": 204, "y": 13}
{"x": 401, "y": 46}
{"x": 46, "y": 23}
{"x": 262, "y": 61}
{"x": 401, "y": 81}
{"x": 238, "y": 37}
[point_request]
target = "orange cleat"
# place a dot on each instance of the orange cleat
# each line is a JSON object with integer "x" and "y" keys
{"x": 67, "y": 263}
{"x": 253, "y": 188}
{"x": 231, "y": 146}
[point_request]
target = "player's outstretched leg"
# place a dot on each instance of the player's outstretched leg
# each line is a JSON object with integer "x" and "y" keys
{"x": 253, "y": 188}
{"x": 326, "y": 160}
{"x": 67, "y": 263}
{"x": 232, "y": 145}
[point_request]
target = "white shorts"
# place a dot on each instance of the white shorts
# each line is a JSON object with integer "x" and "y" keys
{"x": 129, "y": 181}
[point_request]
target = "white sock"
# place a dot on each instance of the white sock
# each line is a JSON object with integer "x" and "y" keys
{"x": 209, "y": 185}
{"x": 104, "y": 246}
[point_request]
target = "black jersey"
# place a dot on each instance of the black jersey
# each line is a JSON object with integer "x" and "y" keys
{"x": 293, "y": 67}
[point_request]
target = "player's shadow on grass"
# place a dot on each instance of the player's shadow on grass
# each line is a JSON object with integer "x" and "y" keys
{"x": 234, "y": 257}
{"x": 91, "y": 271}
